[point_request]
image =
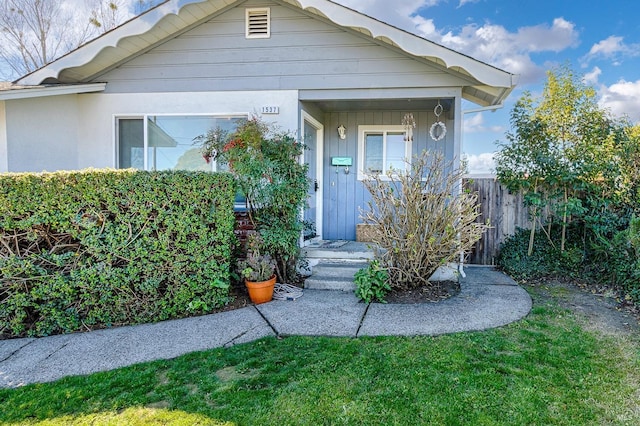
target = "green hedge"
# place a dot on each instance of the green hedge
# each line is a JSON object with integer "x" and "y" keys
{"x": 613, "y": 262}
{"x": 100, "y": 248}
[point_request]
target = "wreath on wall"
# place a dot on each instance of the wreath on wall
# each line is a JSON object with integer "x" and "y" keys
{"x": 438, "y": 129}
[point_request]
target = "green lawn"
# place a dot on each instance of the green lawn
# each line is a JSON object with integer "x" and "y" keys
{"x": 545, "y": 369}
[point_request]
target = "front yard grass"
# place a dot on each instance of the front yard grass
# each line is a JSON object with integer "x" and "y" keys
{"x": 546, "y": 369}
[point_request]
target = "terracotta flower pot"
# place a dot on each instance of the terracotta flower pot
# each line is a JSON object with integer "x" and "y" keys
{"x": 261, "y": 291}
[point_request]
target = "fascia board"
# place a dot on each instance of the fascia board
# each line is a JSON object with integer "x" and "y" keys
{"x": 55, "y": 90}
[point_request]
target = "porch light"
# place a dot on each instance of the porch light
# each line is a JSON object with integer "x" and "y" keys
{"x": 409, "y": 124}
{"x": 342, "y": 132}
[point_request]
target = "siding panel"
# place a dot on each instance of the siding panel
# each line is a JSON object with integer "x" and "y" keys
{"x": 344, "y": 194}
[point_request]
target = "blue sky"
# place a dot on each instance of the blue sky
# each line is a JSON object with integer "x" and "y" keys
{"x": 599, "y": 39}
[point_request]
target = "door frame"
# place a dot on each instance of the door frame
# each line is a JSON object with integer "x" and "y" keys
{"x": 319, "y": 154}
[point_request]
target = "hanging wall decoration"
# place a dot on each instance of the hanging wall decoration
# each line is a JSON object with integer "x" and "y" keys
{"x": 409, "y": 124}
{"x": 438, "y": 129}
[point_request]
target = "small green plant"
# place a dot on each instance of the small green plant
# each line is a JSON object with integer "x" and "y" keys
{"x": 257, "y": 267}
{"x": 372, "y": 283}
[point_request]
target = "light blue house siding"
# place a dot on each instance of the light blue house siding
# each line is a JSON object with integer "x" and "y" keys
{"x": 302, "y": 53}
{"x": 344, "y": 195}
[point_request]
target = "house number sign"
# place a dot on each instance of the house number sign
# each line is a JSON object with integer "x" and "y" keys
{"x": 270, "y": 109}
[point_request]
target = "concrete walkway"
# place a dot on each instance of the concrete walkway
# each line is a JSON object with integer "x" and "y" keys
{"x": 487, "y": 299}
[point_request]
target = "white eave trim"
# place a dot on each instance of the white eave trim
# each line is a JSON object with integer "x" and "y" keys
{"x": 53, "y": 90}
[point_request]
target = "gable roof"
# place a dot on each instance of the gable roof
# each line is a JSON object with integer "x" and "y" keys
{"x": 487, "y": 85}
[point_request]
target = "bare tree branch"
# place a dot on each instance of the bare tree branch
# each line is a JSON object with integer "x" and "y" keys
{"x": 36, "y": 32}
{"x": 421, "y": 220}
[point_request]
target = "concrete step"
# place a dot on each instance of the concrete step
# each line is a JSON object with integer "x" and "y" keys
{"x": 349, "y": 251}
{"x": 328, "y": 275}
{"x": 338, "y": 269}
{"x": 329, "y": 283}
{"x": 337, "y": 255}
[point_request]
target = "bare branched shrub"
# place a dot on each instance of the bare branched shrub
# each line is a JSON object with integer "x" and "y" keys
{"x": 421, "y": 220}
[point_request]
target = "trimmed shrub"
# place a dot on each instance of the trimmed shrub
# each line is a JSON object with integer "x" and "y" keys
{"x": 100, "y": 248}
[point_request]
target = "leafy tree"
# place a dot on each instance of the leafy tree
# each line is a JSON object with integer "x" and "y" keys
{"x": 525, "y": 162}
{"x": 579, "y": 169}
{"x": 562, "y": 145}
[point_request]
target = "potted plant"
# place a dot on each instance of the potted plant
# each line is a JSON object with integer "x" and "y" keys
{"x": 258, "y": 271}
{"x": 266, "y": 165}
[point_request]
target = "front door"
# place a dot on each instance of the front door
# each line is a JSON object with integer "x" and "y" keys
{"x": 312, "y": 138}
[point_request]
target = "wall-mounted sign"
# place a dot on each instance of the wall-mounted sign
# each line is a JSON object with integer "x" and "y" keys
{"x": 341, "y": 161}
{"x": 270, "y": 109}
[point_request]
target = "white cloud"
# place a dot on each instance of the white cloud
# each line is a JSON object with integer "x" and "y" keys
{"x": 622, "y": 98}
{"x": 608, "y": 46}
{"x": 593, "y": 76}
{"x": 480, "y": 163}
{"x": 472, "y": 124}
{"x": 463, "y": 2}
{"x": 426, "y": 27}
{"x": 613, "y": 49}
{"x": 475, "y": 124}
{"x": 544, "y": 38}
{"x": 495, "y": 45}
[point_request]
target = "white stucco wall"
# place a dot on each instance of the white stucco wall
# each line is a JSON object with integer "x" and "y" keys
{"x": 98, "y": 112}
{"x": 42, "y": 133}
{"x": 4, "y": 164}
{"x": 70, "y": 132}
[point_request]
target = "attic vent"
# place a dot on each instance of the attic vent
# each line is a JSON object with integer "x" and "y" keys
{"x": 258, "y": 23}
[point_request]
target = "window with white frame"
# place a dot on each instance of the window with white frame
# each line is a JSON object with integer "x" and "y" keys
{"x": 166, "y": 142}
{"x": 381, "y": 149}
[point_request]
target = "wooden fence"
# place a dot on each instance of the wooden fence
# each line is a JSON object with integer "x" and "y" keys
{"x": 505, "y": 212}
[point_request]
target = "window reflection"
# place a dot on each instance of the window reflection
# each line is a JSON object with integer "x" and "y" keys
{"x": 169, "y": 141}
